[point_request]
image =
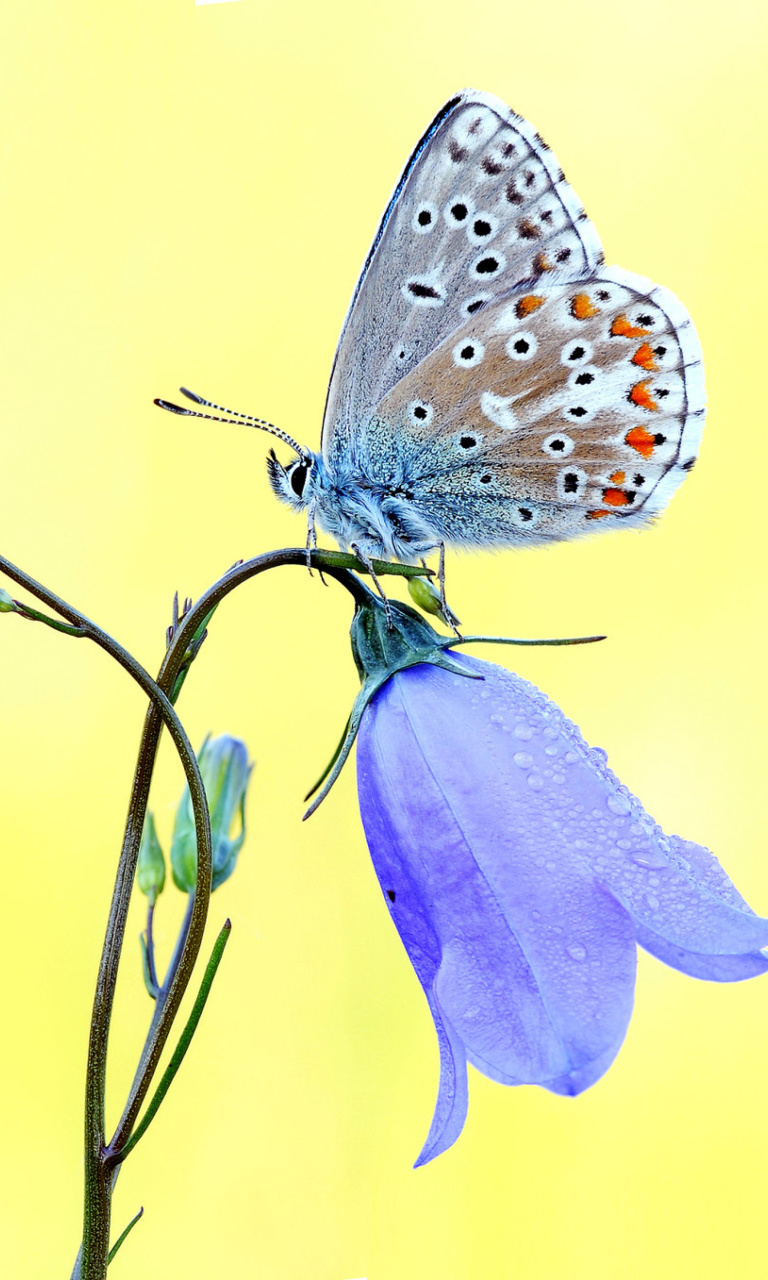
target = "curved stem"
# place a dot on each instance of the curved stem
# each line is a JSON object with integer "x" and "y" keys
{"x": 99, "y": 1174}
{"x": 97, "y": 1179}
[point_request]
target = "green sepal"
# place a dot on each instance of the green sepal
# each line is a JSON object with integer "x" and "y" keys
{"x": 385, "y": 640}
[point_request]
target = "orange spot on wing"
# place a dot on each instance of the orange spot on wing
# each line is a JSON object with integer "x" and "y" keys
{"x": 641, "y": 440}
{"x": 618, "y": 477}
{"x": 645, "y": 358}
{"x": 597, "y": 515}
{"x": 641, "y": 396}
{"x": 621, "y": 328}
{"x": 615, "y": 497}
{"x": 530, "y": 303}
{"x": 582, "y": 308}
{"x": 541, "y": 263}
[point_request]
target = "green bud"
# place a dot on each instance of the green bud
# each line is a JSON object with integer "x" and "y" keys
{"x": 7, "y": 603}
{"x": 150, "y": 869}
{"x": 225, "y": 771}
{"x": 425, "y": 597}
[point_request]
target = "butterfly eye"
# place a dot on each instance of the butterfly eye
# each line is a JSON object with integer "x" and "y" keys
{"x": 424, "y": 219}
{"x": 468, "y": 353}
{"x": 558, "y": 445}
{"x": 577, "y": 353}
{"x": 521, "y": 346}
{"x": 297, "y": 477}
{"x": 571, "y": 483}
{"x": 420, "y": 413}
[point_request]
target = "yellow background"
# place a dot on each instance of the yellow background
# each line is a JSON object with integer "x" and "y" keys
{"x": 188, "y": 193}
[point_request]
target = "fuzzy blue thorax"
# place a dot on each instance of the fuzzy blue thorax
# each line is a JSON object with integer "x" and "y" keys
{"x": 357, "y": 510}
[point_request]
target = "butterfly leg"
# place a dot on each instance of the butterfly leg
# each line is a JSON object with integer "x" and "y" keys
{"x": 366, "y": 560}
{"x": 312, "y": 544}
{"x": 449, "y": 617}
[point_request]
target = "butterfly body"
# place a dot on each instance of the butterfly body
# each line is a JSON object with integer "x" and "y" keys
{"x": 495, "y": 384}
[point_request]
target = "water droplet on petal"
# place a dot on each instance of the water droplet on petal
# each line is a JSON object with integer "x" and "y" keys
{"x": 652, "y": 901}
{"x": 576, "y": 951}
{"x": 523, "y": 759}
{"x": 523, "y": 731}
{"x": 551, "y": 750}
{"x": 618, "y": 804}
{"x": 497, "y": 719}
{"x": 571, "y": 757}
{"x": 535, "y": 781}
{"x": 558, "y": 778}
{"x": 651, "y": 859}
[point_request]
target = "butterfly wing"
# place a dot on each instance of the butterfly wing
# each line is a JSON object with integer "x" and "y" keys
{"x": 481, "y": 207}
{"x": 547, "y": 411}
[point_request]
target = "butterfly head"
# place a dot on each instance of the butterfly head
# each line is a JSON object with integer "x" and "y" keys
{"x": 295, "y": 484}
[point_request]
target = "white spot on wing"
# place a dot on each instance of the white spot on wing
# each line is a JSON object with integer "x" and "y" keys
{"x": 499, "y": 410}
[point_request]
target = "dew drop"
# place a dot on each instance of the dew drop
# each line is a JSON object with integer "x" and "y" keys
{"x": 523, "y": 759}
{"x": 570, "y": 757}
{"x": 551, "y": 750}
{"x": 651, "y": 859}
{"x": 497, "y": 719}
{"x": 523, "y": 731}
{"x": 558, "y": 778}
{"x": 535, "y": 781}
{"x": 652, "y": 901}
{"x": 618, "y": 804}
{"x": 576, "y": 951}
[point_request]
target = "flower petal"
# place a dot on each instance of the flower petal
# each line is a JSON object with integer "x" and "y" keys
{"x": 452, "y": 1099}
{"x": 714, "y": 968}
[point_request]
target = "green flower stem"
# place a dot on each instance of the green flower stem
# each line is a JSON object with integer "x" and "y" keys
{"x": 150, "y": 944}
{"x": 181, "y": 1048}
{"x": 95, "y": 1248}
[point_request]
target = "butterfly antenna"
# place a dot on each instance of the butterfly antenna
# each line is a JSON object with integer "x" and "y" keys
{"x": 237, "y": 419}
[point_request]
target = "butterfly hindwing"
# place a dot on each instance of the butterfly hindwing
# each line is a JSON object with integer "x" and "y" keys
{"x": 481, "y": 207}
{"x": 548, "y": 410}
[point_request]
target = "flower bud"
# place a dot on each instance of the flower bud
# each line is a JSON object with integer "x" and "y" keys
{"x": 225, "y": 771}
{"x": 425, "y": 597}
{"x": 150, "y": 869}
{"x": 7, "y": 603}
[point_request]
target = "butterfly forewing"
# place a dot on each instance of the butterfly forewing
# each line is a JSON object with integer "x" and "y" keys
{"x": 482, "y": 207}
{"x": 548, "y": 410}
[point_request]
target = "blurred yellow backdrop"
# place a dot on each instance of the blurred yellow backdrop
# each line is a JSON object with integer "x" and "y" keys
{"x": 188, "y": 193}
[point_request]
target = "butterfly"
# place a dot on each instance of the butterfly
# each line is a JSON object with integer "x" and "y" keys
{"x": 495, "y": 384}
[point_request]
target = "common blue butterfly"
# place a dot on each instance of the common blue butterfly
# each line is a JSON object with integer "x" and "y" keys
{"x": 494, "y": 384}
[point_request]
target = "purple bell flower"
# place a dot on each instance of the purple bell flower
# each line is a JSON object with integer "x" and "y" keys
{"x": 520, "y": 875}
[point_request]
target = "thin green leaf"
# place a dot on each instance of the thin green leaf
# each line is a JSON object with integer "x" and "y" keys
{"x": 125, "y": 1233}
{"x": 184, "y": 1042}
